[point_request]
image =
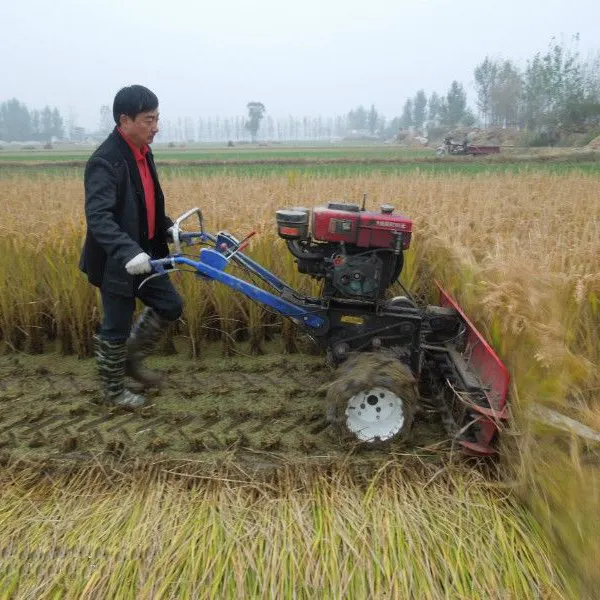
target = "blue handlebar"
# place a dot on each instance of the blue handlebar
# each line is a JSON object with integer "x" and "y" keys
{"x": 212, "y": 264}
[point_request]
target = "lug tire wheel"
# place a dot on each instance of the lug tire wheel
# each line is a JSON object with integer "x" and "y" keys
{"x": 367, "y": 371}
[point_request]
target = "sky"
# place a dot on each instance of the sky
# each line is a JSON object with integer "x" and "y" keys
{"x": 307, "y": 58}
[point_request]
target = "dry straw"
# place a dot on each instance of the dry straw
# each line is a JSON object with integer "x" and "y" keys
{"x": 522, "y": 254}
{"x": 302, "y": 534}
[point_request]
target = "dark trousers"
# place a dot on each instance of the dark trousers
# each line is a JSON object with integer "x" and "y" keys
{"x": 158, "y": 293}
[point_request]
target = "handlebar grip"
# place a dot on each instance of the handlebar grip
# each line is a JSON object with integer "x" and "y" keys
{"x": 159, "y": 264}
{"x": 188, "y": 235}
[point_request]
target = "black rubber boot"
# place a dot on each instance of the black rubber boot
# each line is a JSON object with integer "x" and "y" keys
{"x": 144, "y": 337}
{"x": 110, "y": 357}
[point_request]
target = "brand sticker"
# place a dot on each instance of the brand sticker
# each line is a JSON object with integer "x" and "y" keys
{"x": 352, "y": 320}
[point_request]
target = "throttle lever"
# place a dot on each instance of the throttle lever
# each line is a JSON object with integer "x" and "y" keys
{"x": 244, "y": 243}
{"x": 241, "y": 245}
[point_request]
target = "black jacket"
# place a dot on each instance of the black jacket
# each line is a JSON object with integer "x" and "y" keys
{"x": 115, "y": 212}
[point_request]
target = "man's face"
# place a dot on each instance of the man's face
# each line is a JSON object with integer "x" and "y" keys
{"x": 142, "y": 129}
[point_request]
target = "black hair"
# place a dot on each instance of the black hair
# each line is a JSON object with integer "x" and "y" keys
{"x": 132, "y": 101}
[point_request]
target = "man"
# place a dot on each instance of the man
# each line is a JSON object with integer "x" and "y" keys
{"x": 126, "y": 227}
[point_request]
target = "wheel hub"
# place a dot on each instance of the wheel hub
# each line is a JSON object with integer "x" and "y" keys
{"x": 374, "y": 414}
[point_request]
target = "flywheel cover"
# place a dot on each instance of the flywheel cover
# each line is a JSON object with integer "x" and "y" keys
{"x": 375, "y": 414}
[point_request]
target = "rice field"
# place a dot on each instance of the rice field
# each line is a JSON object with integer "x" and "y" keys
{"x": 324, "y": 160}
{"x": 241, "y": 152}
{"x": 521, "y": 252}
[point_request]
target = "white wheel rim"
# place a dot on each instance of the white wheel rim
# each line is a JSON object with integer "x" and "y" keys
{"x": 375, "y": 414}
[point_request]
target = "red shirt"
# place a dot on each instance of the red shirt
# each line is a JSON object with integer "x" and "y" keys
{"x": 147, "y": 182}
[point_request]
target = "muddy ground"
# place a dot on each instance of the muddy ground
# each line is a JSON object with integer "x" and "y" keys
{"x": 253, "y": 409}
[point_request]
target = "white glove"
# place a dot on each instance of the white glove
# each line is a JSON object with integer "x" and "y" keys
{"x": 139, "y": 264}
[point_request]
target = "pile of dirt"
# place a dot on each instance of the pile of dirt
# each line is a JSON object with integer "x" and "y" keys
{"x": 491, "y": 136}
{"x": 495, "y": 136}
{"x": 409, "y": 139}
{"x": 594, "y": 144}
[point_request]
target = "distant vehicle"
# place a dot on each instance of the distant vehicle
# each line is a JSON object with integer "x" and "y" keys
{"x": 464, "y": 148}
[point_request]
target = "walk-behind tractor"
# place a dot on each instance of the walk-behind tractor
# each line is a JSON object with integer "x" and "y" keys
{"x": 465, "y": 149}
{"x": 393, "y": 355}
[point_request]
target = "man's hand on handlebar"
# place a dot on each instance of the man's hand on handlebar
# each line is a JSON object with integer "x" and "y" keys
{"x": 139, "y": 264}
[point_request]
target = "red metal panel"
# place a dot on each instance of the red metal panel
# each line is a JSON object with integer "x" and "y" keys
{"x": 487, "y": 365}
{"x": 330, "y": 225}
{"x": 483, "y": 149}
{"x": 366, "y": 229}
{"x": 378, "y": 230}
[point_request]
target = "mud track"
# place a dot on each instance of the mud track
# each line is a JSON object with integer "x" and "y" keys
{"x": 255, "y": 409}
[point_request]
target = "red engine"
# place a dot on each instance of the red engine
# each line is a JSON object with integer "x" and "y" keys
{"x": 358, "y": 253}
{"x": 365, "y": 229}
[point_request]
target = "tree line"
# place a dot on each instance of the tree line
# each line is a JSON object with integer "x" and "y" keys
{"x": 556, "y": 92}
{"x": 18, "y": 123}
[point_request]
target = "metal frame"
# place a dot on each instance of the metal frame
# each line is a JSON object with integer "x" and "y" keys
{"x": 212, "y": 262}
